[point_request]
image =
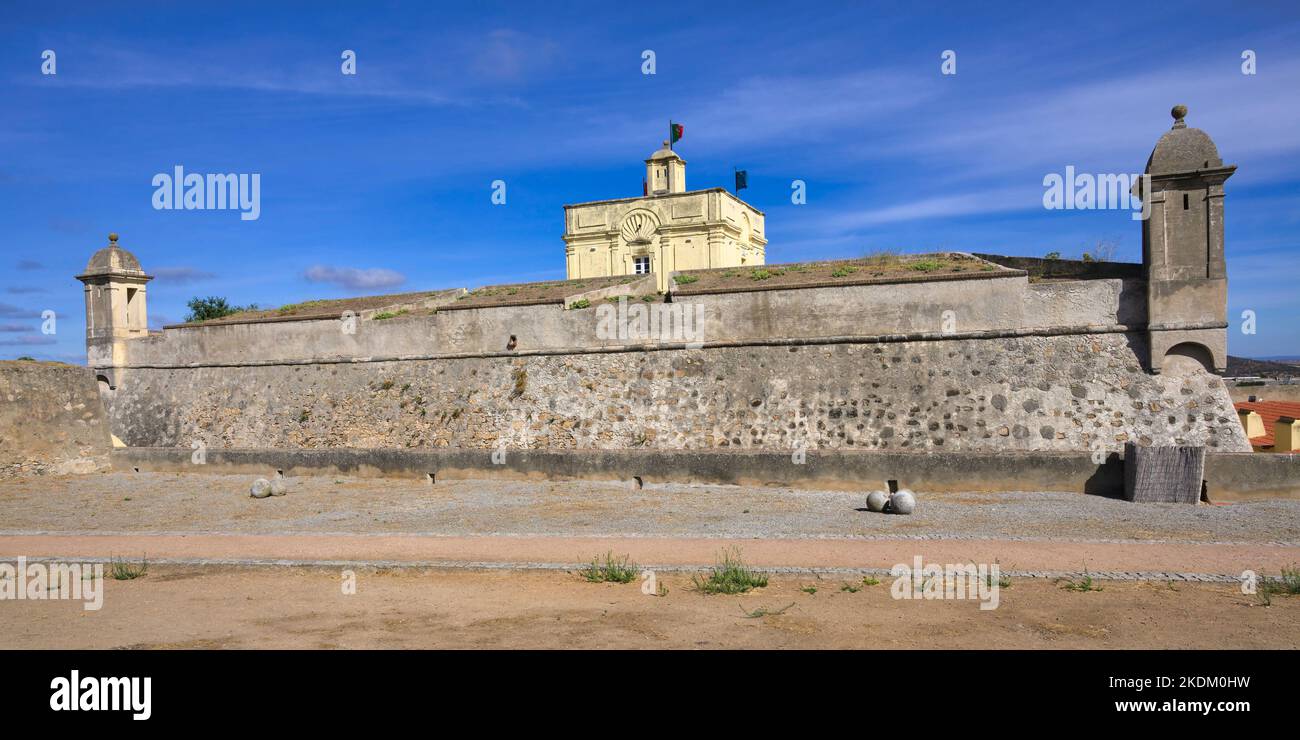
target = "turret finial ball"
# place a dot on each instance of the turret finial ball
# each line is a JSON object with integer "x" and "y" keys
{"x": 1179, "y": 112}
{"x": 112, "y": 238}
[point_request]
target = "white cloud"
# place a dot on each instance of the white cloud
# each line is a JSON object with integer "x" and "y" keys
{"x": 34, "y": 340}
{"x": 16, "y": 312}
{"x": 374, "y": 278}
{"x": 181, "y": 275}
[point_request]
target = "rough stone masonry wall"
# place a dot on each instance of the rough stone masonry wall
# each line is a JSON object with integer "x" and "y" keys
{"x": 51, "y": 420}
{"x": 1063, "y": 392}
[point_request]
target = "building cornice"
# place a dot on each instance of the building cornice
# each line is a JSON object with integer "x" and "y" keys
{"x": 612, "y": 201}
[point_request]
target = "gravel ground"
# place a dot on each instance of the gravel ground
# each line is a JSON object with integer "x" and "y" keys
{"x": 171, "y": 503}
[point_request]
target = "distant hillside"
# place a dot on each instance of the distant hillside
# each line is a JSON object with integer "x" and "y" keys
{"x": 1238, "y": 366}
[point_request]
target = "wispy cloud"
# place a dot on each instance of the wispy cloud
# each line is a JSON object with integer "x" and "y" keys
{"x": 758, "y": 110}
{"x": 10, "y": 311}
{"x": 352, "y": 278}
{"x": 940, "y": 206}
{"x": 34, "y": 340}
{"x": 182, "y": 275}
{"x": 509, "y": 55}
{"x": 1112, "y": 122}
{"x": 260, "y": 65}
{"x": 30, "y": 265}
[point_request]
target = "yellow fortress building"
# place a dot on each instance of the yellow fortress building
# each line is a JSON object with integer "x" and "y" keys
{"x": 668, "y": 228}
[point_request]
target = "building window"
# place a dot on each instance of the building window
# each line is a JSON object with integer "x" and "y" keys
{"x": 132, "y": 308}
{"x": 641, "y": 265}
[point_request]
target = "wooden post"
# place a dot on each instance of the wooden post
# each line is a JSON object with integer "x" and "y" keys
{"x": 1163, "y": 474}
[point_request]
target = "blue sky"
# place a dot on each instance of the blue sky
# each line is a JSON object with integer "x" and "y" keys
{"x": 381, "y": 182}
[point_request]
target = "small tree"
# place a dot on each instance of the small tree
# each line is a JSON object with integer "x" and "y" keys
{"x": 212, "y": 307}
{"x": 1103, "y": 252}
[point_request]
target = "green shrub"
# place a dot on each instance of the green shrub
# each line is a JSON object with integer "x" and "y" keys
{"x": 730, "y": 576}
{"x": 212, "y": 307}
{"x": 763, "y": 611}
{"x": 1083, "y": 584}
{"x": 881, "y": 258}
{"x": 121, "y": 570}
{"x": 1288, "y": 583}
{"x": 926, "y": 265}
{"x": 611, "y": 570}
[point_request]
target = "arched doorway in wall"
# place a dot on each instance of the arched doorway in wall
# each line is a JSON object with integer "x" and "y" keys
{"x": 1187, "y": 358}
{"x": 106, "y": 388}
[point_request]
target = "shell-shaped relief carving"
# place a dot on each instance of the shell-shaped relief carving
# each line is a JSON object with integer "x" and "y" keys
{"x": 639, "y": 227}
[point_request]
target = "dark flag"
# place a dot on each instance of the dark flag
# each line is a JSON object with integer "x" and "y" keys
{"x": 742, "y": 180}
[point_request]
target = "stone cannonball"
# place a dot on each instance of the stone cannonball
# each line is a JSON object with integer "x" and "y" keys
{"x": 903, "y": 502}
{"x": 261, "y": 488}
{"x": 876, "y": 500}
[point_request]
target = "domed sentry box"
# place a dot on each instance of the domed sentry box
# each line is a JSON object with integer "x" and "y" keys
{"x": 115, "y": 305}
{"x": 1183, "y": 251}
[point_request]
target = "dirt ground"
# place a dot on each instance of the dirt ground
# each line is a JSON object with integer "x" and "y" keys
{"x": 277, "y": 607}
{"x": 1122, "y": 561}
{"x": 477, "y": 564}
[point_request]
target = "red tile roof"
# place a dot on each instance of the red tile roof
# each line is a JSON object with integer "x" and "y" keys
{"x": 1270, "y": 412}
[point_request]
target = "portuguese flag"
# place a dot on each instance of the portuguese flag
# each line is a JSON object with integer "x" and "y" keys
{"x": 675, "y": 132}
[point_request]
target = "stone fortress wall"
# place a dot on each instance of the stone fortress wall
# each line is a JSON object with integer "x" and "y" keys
{"x": 1015, "y": 354}
{"x": 51, "y": 420}
{"x": 985, "y": 361}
